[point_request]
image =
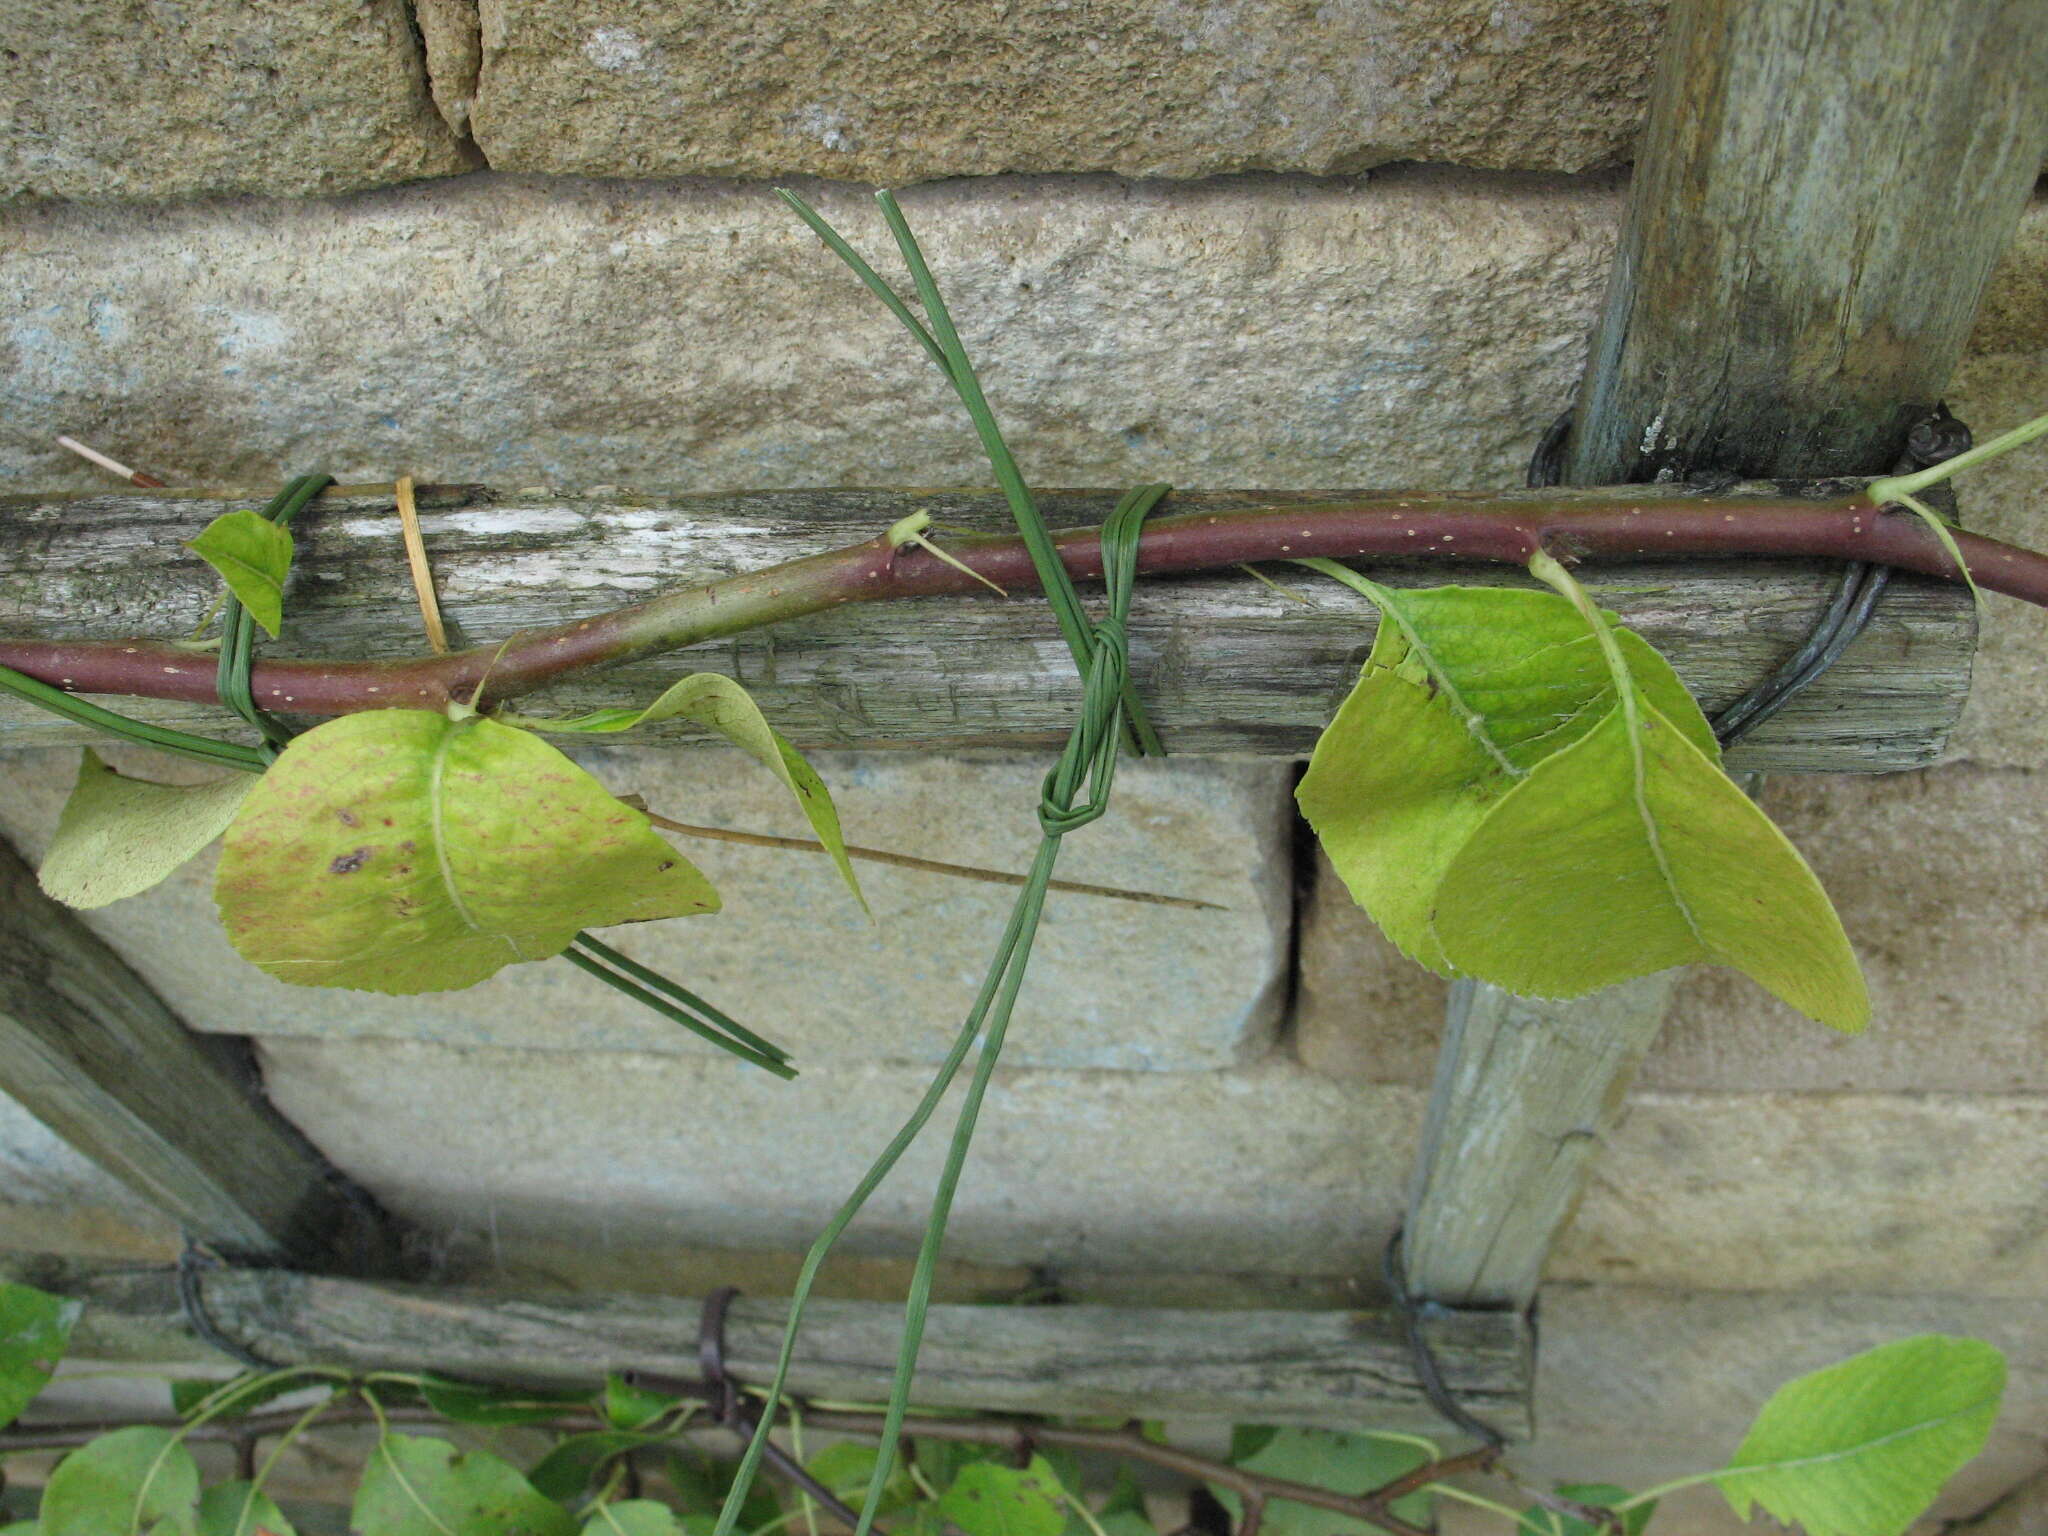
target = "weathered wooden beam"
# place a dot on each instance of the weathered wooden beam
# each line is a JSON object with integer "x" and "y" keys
{"x": 1818, "y": 198}
{"x": 1225, "y": 664}
{"x": 89, "y": 1050}
{"x": 1820, "y": 194}
{"x": 1338, "y": 1369}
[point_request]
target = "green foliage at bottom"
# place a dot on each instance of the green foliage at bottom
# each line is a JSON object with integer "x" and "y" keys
{"x": 415, "y": 1486}
{"x": 1324, "y": 1458}
{"x": 1539, "y": 1521}
{"x": 988, "y": 1499}
{"x": 35, "y": 1329}
{"x": 140, "y": 1480}
{"x": 240, "y": 1509}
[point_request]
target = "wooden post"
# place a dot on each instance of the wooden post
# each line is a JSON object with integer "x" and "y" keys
{"x": 1819, "y": 197}
{"x": 1338, "y": 1369}
{"x": 89, "y": 1050}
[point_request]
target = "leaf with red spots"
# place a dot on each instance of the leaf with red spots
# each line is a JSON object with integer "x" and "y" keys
{"x": 404, "y": 851}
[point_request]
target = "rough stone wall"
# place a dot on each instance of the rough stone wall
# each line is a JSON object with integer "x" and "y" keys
{"x": 133, "y": 100}
{"x": 210, "y": 267}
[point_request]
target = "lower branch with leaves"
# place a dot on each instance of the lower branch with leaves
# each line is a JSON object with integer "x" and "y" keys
{"x": 1857, "y": 1449}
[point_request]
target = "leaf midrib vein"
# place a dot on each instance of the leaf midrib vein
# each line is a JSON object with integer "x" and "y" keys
{"x": 1475, "y": 723}
{"x": 438, "y": 821}
{"x": 1866, "y": 1445}
{"x": 398, "y": 1475}
{"x": 1632, "y": 722}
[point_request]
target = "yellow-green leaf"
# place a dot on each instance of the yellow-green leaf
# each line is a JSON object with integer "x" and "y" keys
{"x": 1465, "y": 691}
{"x": 1628, "y": 852}
{"x": 991, "y": 1500}
{"x": 416, "y": 1486}
{"x": 139, "y": 1480}
{"x": 253, "y": 556}
{"x": 120, "y": 836}
{"x": 407, "y": 851}
{"x": 1861, "y": 1448}
{"x": 634, "y": 1517}
{"x": 241, "y": 1509}
{"x": 722, "y": 705}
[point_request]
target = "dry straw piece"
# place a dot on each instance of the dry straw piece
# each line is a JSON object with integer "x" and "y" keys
{"x": 416, "y": 558}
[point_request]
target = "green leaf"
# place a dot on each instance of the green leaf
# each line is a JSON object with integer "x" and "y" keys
{"x": 988, "y": 1499}
{"x": 1247, "y": 1440}
{"x": 722, "y": 705}
{"x": 120, "y": 836}
{"x": 572, "y": 1464}
{"x": 1538, "y": 1521}
{"x": 941, "y": 1460}
{"x": 468, "y": 1402}
{"x": 634, "y": 1517}
{"x": 403, "y": 851}
{"x": 231, "y": 1399}
{"x": 140, "y": 1480}
{"x": 423, "y": 1487}
{"x": 701, "y": 1485}
{"x": 240, "y": 1509}
{"x": 629, "y": 1407}
{"x": 846, "y": 1469}
{"x": 253, "y": 555}
{"x": 35, "y": 1329}
{"x": 847, "y": 1465}
{"x": 1861, "y": 1448}
{"x": 1064, "y": 1465}
{"x": 1465, "y": 691}
{"x": 1343, "y": 1463}
{"x": 1126, "y": 1497}
{"x": 1628, "y": 852}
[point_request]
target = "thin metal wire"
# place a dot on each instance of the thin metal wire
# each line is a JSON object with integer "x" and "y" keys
{"x": 1394, "y": 1267}
{"x": 727, "y": 1406}
{"x": 192, "y": 1261}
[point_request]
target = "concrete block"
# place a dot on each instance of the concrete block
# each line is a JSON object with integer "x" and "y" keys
{"x": 1418, "y": 328}
{"x": 1939, "y": 880}
{"x": 1942, "y": 882}
{"x": 2003, "y": 724}
{"x": 1263, "y": 1170}
{"x": 296, "y": 97}
{"x": 1362, "y": 1010}
{"x": 1140, "y": 87}
{"x": 1114, "y": 984}
{"x": 1808, "y": 1192}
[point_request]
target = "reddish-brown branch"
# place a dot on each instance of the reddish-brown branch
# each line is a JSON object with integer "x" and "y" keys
{"x": 1613, "y": 524}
